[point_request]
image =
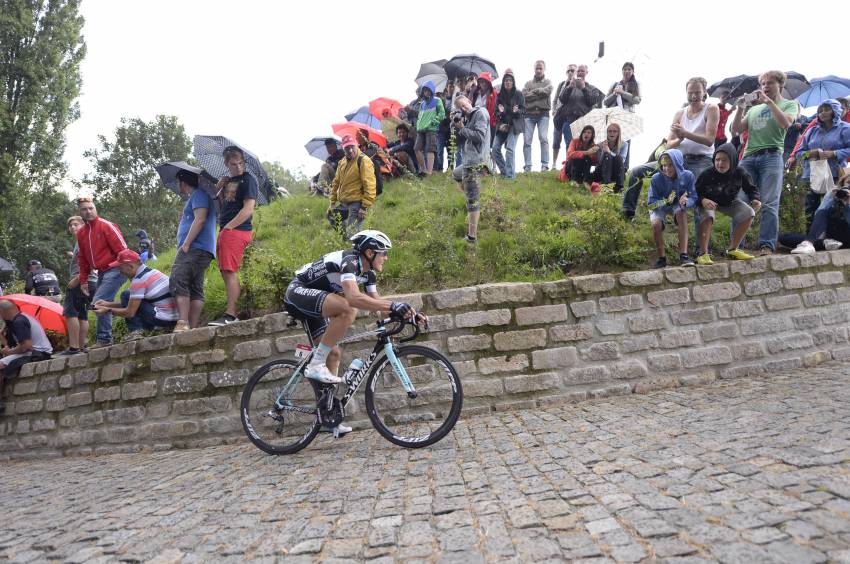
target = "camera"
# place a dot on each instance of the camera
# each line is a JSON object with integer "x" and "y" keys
{"x": 842, "y": 194}
{"x": 750, "y": 97}
{"x": 456, "y": 116}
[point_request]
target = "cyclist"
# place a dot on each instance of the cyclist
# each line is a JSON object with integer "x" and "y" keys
{"x": 325, "y": 294}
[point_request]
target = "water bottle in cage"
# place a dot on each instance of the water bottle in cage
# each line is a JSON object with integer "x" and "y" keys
{"x": 352, "y": 371}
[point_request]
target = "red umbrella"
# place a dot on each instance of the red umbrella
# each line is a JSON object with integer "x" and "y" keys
{"x": 48, "y": 313}
{"x": 352, "y": 127}
{"x": 379, "y": 105}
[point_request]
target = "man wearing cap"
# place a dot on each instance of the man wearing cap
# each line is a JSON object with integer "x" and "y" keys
{"x": 353, "y": 189}
{"x": 195, "y": 251}
{"x": 41, "y": 281}
{"x": 148, "y": 304}
{"x": 100, "y": 242}
{"x": 25, "y": 341}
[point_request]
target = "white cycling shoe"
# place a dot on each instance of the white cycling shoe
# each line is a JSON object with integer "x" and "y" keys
{"x": 338, "y": 431}
{"x": 320, "y": 373}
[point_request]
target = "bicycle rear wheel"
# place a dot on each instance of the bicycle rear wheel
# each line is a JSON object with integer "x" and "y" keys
{"x": 279, "y": 412}
{"x": 423, "y": 420}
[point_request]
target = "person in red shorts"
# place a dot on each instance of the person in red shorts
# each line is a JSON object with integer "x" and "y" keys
{"x": 238, "y": 195}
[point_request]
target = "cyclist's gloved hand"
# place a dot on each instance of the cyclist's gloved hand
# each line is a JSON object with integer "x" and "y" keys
{"x": 400, "y": 310}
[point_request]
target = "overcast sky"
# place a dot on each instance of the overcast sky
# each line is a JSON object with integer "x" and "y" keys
{"x": 271, "y": 75}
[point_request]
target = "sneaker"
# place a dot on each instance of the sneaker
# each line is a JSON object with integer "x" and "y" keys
{"x": 738, "y": 254}
{"x": 595, "y": 187}
{"x": 804, "y": 248}
{"x": 133, "y": 336}
{"x": 69, "y": 352}
{"x": 765, "y": 251}
{"x": 704, "y": 259}
{"x": 338, "y": 431}
{"x": 181, "y": 326}
{"x": 471, "y": 240}
{"x": 225, "y": 319}
{"x": 685, "y": 260}
{"x": 320, "y": 373}
{"x": 832, "y": 244}
{"x": 100, "y": 345}
{"x": 544, "y": 168}
{"x": 661, "y": 262}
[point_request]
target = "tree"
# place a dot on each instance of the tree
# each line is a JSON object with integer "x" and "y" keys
{"x": 126, "y": 186}
{"x": 282, "y": 177}
{"x": 41, "y": 48}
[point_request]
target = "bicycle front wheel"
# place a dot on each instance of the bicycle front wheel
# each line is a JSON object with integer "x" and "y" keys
{"x": 279, "y": 408}
{"x": 419, "y": 421}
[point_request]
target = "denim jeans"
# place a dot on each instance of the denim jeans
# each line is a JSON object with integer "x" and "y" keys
{"x": 506, "y": 163}
{"x": 636, "y": 177}
{"x": 108, "y": 284}
{"x": 438, "y": 159}
{"x": 145, "y": 318}
{"x": 766, "y": 170}
{"x": 542, "y": 124}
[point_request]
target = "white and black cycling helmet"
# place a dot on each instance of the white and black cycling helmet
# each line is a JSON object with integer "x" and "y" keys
{"x": 371, "y": 239}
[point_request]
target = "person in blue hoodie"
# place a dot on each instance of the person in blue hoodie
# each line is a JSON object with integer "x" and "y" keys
{"x": 828, "y": 139}
{"x": 430, "y": 113}
{"x": 672, "y": 191}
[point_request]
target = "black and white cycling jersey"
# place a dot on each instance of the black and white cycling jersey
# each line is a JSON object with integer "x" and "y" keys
{"x": 329, "y": 272}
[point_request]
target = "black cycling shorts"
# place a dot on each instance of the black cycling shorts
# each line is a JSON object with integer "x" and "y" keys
{"x": 306, "y": 305}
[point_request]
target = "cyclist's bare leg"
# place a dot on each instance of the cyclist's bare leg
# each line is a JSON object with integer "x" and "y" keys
{"x": 341, "y": 316}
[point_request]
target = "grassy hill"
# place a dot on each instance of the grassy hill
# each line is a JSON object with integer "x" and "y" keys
{"x": 532, "y": 229}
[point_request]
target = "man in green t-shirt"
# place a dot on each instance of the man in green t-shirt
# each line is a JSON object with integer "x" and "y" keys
{"x": 766, "y": 123}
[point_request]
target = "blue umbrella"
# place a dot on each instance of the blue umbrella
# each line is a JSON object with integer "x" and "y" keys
{"x": 824, "y": 88}
{"x": 362, "y": 115}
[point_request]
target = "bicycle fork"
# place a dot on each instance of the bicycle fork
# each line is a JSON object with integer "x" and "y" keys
{"x": 400, "y": 371}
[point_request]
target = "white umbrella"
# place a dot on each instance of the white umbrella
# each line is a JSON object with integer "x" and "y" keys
{"x": 631, "y": 124}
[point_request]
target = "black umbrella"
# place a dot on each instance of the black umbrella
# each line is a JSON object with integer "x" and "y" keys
{"x": 168, "y": 173}
{"x": 6, "y": 266}
{"x": 795, "y": 84}
{"x": 208, "y": 151}
{"x": 464, "y": 65}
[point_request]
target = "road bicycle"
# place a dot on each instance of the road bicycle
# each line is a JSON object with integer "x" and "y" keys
{"x": 413, "y": 394}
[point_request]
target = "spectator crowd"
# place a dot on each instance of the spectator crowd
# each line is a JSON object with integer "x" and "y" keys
{"x": 471, "y": 128}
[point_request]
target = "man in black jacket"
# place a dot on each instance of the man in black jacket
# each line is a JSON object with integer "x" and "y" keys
{"x": 41, "y": 281}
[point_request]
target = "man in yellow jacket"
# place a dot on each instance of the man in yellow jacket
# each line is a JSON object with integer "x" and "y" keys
{"x": 353, "y": 188}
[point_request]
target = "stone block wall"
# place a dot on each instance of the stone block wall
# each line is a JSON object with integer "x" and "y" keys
{"x": 517, "y": 345}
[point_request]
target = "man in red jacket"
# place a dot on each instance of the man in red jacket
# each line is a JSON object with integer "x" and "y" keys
{"x": 100, "y": 241}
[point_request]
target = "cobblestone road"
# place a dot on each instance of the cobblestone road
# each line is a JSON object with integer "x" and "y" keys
{"x": 742, "y": 471}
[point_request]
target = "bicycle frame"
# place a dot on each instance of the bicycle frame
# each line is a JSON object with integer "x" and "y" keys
{"x": 384, "y": 345}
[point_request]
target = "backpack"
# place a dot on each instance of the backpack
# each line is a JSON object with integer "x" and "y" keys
{"x": 379, "y": 179}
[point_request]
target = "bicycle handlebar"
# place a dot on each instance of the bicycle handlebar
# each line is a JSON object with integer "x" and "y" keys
{"x": 399, "y": 327}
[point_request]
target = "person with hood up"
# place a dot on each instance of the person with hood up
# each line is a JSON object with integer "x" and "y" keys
{"x": 146, "y": 248}
{"x": 430, "y": 113}
{"x": 671, "y": 192}
{"x": 717, "y": 190}
{"x": 828, "y": 139}
{"x": 510, "y": 106}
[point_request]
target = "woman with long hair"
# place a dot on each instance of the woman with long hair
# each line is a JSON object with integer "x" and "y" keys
{"x": 582, "y": 154}
{"x": 624, "y": 93}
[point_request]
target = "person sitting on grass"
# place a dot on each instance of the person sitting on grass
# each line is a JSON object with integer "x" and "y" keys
{"x": 671, "y": 192}
{"x": 830, "y": 227}
{"x": 717, "y": 190}
{"x": 582, "y": 154}
{"x": 148, "y": 304}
